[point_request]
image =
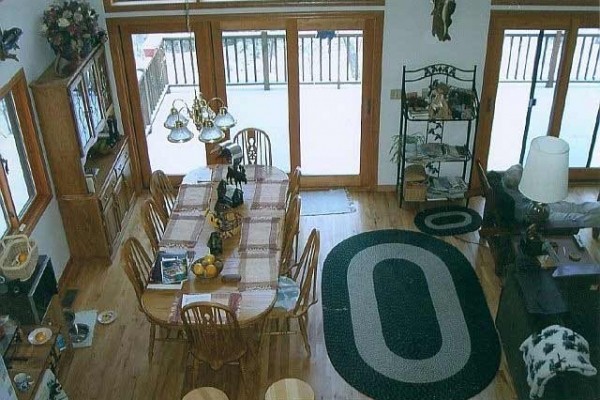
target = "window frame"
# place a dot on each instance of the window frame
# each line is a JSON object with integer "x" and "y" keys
{"x": 17, "y": 88}
{"x": 160, "y": 5}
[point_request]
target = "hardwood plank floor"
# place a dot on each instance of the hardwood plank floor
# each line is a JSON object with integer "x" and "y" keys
{"x": 116, "y": 366}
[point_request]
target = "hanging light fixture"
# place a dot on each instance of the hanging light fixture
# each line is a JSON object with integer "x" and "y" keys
{"x": 210, "y": 117}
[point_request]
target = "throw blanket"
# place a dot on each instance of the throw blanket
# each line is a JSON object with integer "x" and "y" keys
{"x": 554, "y": 349}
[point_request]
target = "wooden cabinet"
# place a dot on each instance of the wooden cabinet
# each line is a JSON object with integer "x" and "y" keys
{"x": 73, "y": 113}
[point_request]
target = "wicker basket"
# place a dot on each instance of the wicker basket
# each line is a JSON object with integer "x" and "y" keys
{"x": 10, "y": 248}
{"x": 415, "y": 191}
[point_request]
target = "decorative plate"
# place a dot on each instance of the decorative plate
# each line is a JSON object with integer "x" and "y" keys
{"x": 106, "y": 317}
{"x": 39, "y": 336}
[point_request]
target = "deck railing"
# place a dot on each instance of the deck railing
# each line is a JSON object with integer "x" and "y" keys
{"x": 152, "y": 84}
{"x": 519, "y": 57}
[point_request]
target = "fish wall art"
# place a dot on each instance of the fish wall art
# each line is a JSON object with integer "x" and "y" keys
{"x": 442, "y": 13}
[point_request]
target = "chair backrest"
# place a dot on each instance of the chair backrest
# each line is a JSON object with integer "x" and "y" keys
{"x": 162, "y": 191}
{"x": 290, "y": 229}
{"x": 154, "y": 221}
{"x": 213, "y": 333}
{"x": 256, "y": 146}
{"x": 138, "y": 267}
{"x": 305, "y": 273}
{"x": 293, "y": 186}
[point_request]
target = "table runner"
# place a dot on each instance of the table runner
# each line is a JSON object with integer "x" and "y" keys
{"x": 259, "y": 234}
{"x": 269, "y": 195}
{"x": 231, "y": 300}
{"x": 193, "y": 197}
{"x": 182, "y": 230}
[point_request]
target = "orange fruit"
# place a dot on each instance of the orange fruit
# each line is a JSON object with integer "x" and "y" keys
{"x": 211, "y": 271}
{"x": 209, "y": 258}
{"x": 198, "y": 269}
{"x": 22, "y": 257}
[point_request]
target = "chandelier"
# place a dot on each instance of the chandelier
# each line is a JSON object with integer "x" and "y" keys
{"x": 210, "y": 116}
{"x": 210, "y": 124}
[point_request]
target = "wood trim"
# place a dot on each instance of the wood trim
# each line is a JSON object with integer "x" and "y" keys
{"x": 122, "y": 93}
{"x": 562, "y": 84}
{"x": 212, "y": 72}
{"x": 563, "y": 3}
{"x": 580, "y": 175}
{"x": 124, "y": 6}
{"x": 314, "y": 181}
{"x": 294, "y": 95}
{"x": 372, "y": 40}
{"x": 17, "y": 86}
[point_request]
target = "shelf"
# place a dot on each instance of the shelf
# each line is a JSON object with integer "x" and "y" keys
{"x": 443, "y": 91}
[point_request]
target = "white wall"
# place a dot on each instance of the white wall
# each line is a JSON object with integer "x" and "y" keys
{"x": 34, "y": 57}
{"x": 407, "y": 40}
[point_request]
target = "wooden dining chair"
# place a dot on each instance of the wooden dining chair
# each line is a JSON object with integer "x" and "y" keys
{"x": 292, "y": 190}
{"x": 256, "y": 146}
{"x": 214, "y": 337}
{"x": 138, "y": 267}
{"x": 296, "y": 294}
{"x": 154, "y": 221}
{"x": 293, "y": 185}
{"x": 163, "y": 193}
{"x": 291, "y": 229}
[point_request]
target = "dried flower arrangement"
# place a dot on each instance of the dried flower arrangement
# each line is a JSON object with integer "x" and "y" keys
{"x": 71, "y": 28}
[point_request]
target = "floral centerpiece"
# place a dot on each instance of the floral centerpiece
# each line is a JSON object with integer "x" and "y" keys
{"x": 71, "y": 28}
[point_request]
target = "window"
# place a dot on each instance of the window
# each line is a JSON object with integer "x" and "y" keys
{"x": 24, "y": 187}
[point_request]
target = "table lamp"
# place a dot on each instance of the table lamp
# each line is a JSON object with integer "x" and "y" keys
{"x": 545, "y": 179}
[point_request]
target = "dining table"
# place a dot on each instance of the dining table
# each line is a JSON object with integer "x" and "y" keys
{"x": 253, "y": 253}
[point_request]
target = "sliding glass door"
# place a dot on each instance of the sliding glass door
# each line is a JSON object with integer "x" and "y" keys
{"x": 542, "y": 77}
{"x": 308, "y": 82}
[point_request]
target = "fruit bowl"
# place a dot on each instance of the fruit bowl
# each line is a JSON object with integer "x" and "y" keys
{"x": 207, "y": 267}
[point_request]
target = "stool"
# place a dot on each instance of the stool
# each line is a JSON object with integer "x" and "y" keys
{"x": 290, "y": 389}
{"x": 206, "y": 393}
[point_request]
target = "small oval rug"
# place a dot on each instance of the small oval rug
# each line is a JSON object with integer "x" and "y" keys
{"x": 447, "y": 221}
{"x": 405, "y": 318}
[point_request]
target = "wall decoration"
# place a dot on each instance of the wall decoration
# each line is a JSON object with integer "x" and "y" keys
{"x": 442, "y": 13}
{"x": 8, "y": 43}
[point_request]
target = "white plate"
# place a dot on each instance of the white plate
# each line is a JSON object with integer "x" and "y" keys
{"x": 33, "y": 336}
{"x": 107, "y": 317}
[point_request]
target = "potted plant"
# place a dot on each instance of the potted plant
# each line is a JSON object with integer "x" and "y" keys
{"x": 71, "y": 28}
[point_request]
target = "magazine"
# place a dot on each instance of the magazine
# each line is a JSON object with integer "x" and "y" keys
{"x": 173, "y": 269}
{"x": 170, "y": 270}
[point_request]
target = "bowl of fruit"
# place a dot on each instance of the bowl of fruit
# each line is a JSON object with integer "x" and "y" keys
{"x": 207, "y": 267}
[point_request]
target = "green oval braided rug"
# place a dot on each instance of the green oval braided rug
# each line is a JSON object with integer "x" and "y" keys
{"x": 405, "y": 318}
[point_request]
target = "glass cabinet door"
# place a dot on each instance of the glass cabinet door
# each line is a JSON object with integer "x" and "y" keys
{"x": 93, "y": 98}
{"x": 78, "y": 104}
{"x": 103, "y": 83}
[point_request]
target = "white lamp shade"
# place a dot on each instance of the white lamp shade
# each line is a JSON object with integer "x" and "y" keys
{"x": 546, "y": 173}
{"x": 224, "y": 120}
{"x": 210, "y": 133}
{"x": 174, "y": 117}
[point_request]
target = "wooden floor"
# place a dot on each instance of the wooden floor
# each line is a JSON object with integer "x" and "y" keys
{"x": 116, "y": 366}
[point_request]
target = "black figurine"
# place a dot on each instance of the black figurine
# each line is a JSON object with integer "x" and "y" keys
{"x": 8, "y": 43}
{"x": 215, "y": 243}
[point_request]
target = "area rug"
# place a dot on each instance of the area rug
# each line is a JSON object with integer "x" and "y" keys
{"x": 405, "y": 318}
{"x": 322, "y": 202}
{"x": 447, "y": 221}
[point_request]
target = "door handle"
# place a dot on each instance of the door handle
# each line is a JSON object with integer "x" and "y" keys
{"x": 532, "y": 102}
